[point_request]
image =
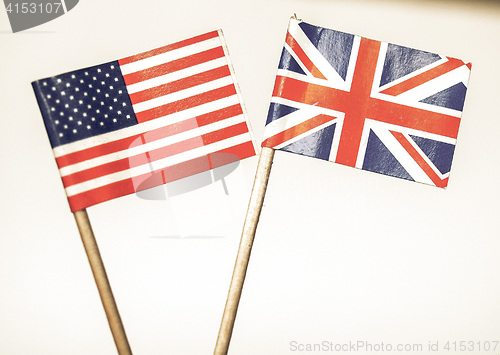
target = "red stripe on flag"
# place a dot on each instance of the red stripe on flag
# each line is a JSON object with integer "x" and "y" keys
{"x": 168, "y": 48}
{"x": 420, "y": 160}
{"x": 422, "y": 78}
{"x": 186, "y": 103}
{"x": 174, "y": 65}
{"x": 303, "y": 57}
{"x": 180, "y": 84}
{"x": 104, "y": 193}
{"x": 232, "y": 154}
{"x": 95, "y": 151}
{"x": 214, "y": 116}
{"x": 159, "y": 177}
{"x": 380, "y": 110}
{"x": 358, "y": 102}
{"x": 297, "y": 130}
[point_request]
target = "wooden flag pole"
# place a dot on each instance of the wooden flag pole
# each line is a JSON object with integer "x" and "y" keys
{"x": 101, "y": 279}
{"x": 243, "y": 256}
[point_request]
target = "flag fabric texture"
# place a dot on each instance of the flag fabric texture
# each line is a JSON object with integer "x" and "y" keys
{"x": 145, "y": 120}
{"x": 367, "y": 104}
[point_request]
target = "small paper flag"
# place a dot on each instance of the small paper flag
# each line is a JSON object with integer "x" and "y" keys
{"x": 367, "y": 104}
{"x": 145, "y": 120}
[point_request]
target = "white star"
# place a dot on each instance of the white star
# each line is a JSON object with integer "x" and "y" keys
{"x": 74, "y": 131}
{"x": 63, "y": 93}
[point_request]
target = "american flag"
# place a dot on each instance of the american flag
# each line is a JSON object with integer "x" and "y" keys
{"x": 145, "y": 120}
{"x": 367, "y": 104}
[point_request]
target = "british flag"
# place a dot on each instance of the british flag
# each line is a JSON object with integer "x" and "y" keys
{"x": 367, "y": 104}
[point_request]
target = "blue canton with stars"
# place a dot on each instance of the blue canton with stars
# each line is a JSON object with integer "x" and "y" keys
{"x": 84, "y": 103}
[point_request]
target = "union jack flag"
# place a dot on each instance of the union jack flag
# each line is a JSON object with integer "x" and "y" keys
{"x": 367, "y": 104}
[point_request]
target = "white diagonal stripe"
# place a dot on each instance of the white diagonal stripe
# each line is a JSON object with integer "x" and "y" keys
{"x": 303, "y": 113}
{"x": 315, "y": 56}
{"x": 408, "y": 163}
{"x": 440, "y": 83}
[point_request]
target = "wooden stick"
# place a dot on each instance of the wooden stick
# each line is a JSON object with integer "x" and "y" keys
{"x": 101, "y": 279}
{"x": 243, "y": 257}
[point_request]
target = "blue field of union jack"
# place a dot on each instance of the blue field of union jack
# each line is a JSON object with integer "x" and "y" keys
{"x": 367, "y": 104}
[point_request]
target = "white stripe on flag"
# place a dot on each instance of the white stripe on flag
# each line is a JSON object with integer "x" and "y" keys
{"x": 183, "y": 94}
{"x": 170, "y": 56}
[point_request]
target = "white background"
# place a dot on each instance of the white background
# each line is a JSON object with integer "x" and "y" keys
{"x": 340, "y": 254}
